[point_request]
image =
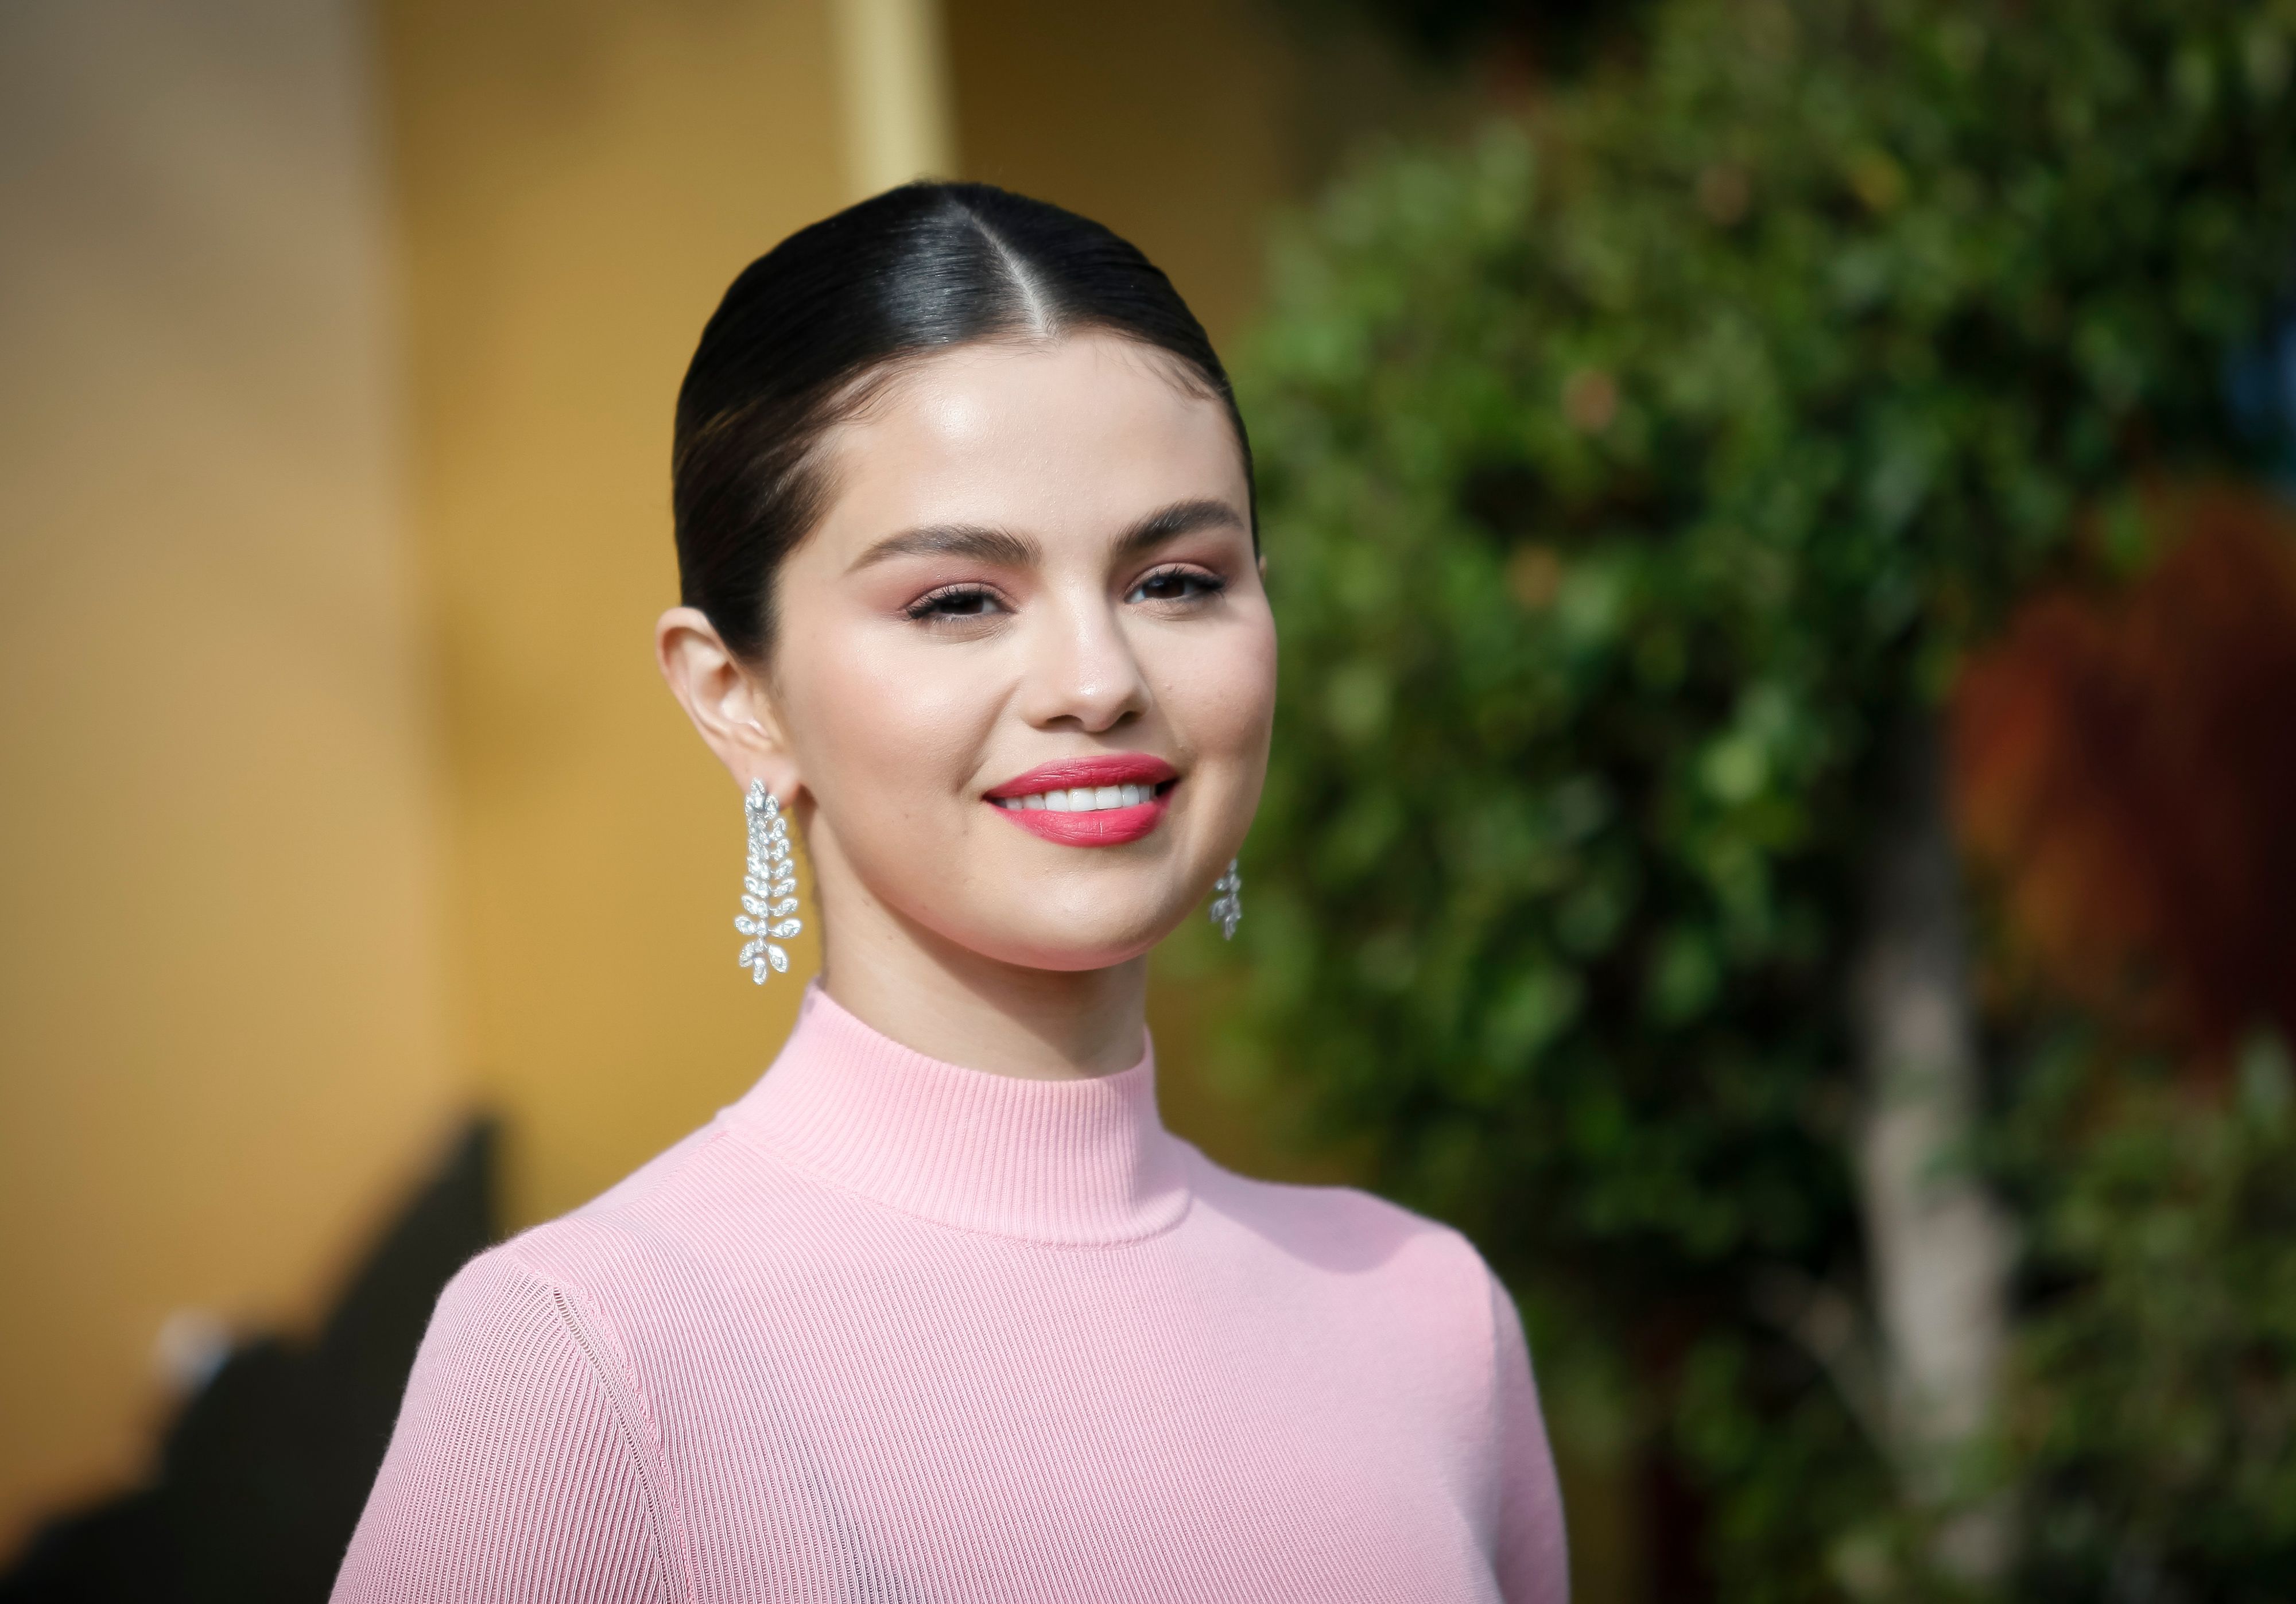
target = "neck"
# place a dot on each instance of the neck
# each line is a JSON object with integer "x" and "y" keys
{"x": 952, "y": 1003}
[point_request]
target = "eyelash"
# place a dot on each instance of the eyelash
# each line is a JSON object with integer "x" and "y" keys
{"x": 1207, "y": 583}
{"x": 934, "y": 604}
{"x": 929, "y": 605}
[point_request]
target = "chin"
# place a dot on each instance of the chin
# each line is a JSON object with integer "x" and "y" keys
{"x": 1099, "y": 938}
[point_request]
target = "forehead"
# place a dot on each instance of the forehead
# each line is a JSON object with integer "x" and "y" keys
{"x": 1076, "y": 436}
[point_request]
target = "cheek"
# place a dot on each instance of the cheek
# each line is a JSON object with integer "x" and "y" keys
{"x": 1220, "y": 693}
{"x": 879, "y": 734}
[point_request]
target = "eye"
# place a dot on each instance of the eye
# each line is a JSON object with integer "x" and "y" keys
{"x": 1178, "y": 585}
{"x": 955, "y": 601}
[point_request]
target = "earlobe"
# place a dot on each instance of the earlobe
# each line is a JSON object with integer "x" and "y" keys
{"x": 728, "y": 706}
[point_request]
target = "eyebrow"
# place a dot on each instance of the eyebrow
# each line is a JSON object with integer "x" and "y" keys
{"x": 986, "y": 543}
{"x": 1181, "y": 518}
{"x": 976, "y": 540}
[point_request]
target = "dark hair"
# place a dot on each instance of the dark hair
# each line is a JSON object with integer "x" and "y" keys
{"x": 795, "y": 346}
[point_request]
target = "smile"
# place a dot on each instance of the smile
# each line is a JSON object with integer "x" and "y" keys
{"x": 1081, "y": 799}
{"x": 1098, "y": 801}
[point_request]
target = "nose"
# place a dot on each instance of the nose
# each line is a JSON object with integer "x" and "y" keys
{"x": 1082, "y": 672}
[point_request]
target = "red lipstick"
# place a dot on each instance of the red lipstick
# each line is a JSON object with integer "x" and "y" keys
{"x": 1060, "y": 811}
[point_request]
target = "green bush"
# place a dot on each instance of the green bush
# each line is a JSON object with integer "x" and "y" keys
{"x": 1625, "y": 476}
{"x": 2153, "y": 1409}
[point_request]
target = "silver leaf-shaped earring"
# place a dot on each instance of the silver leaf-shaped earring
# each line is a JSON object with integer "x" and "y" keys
{"x": 769, "y": 888}
{"x": 1227, "y": 903}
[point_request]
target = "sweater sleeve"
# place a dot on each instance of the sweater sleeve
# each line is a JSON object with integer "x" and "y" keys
{"x": 517, "y": 1471}
{"x": 1533, "y": 1558}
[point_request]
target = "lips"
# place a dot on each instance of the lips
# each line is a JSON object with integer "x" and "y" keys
{"x": 1099, "y": 801}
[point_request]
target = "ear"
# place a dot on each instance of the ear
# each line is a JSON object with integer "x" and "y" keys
{"x": 728, "y": 704}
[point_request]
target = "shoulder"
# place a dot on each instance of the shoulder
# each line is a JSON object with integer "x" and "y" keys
{"x": 546, "y": 1339}
{"x": 499, "y": 1324}
{"x": 582, "y": 1292}
{"x": 665, "y": 1221}
{"x": 518, "y": 1408}
{"x": 616, "y": 1274}
{"x": 1392, "y": 1252}
{"x": 626, "y": 1261}
{"x": 1328, "y": 1215}
{"x": 508, "y": 1328}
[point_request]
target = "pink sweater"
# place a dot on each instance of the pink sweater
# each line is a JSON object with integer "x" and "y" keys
{"x": 891, "y": 1330}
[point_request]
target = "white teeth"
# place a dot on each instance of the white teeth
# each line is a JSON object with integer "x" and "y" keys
{"x": 1081, "y": 799}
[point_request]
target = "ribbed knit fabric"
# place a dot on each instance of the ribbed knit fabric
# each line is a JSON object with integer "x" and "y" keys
{"x": 891, "y": 1330}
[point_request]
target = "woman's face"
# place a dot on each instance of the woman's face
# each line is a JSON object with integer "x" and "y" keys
{"x": 1025, "y": 669}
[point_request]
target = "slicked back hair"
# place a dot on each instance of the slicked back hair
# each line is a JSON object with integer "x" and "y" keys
{"x": 810, "y": 331}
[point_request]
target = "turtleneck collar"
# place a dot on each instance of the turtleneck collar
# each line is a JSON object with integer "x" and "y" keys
{"x": 1078, "y": 1162}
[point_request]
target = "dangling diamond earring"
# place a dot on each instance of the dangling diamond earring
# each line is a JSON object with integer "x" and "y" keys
{"x": 1227, "y": 905}
{"x": 769, "y": 888}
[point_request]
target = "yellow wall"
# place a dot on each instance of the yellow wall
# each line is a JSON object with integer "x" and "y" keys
{"x": 578, "y": 183}
{"x": 221, "y": 1050}
{"x": 1166, "y": 122}
{"x": 1187, "y": 126}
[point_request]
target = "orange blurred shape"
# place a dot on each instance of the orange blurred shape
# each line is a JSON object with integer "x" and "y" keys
{"x": 2125, "y": 769}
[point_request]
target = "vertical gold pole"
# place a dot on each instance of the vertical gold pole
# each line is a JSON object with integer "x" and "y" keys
{"x": 893, "y": 73}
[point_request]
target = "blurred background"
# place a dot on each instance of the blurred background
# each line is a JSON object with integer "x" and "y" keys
{"x": 1780, "y": 826}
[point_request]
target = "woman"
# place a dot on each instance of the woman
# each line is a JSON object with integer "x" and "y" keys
{"x": 939, "y": 1310}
